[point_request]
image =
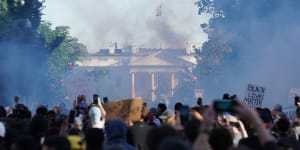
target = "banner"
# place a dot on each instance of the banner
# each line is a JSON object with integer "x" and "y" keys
{"x": 255, "y": 95}
{"x": 128, "y": 110}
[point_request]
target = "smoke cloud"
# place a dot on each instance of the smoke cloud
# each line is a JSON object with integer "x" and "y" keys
{"x": 23, "y": 73}
{"x": 266, "y": 51}
{"x": 96, "y": 23}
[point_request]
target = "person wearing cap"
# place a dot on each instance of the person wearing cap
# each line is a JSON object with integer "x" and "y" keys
{"x": 277, "y": 113}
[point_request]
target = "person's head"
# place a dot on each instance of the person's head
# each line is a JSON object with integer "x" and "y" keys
{"x": 220, "y": 138}
{"x": 161, "y": 107}
{"x": 116, "y": 129}
{"x": 78, "y": 123}
{"x": 94, "y": 139}
{"x": 156, "y": 135}
{"x": 20, "y": 111}
{"x": 177, "y": 106}
{"x": 283, "y": 125}
{"x": 277, "y": 108}
{"x": 41, "y": 110}
{"x": 16, "y": 99}
{"x": 81, "y": 98}
{"x": 266, "y": 117}
{"x": 56, "y": 143}
{"x": 191, "y": 129}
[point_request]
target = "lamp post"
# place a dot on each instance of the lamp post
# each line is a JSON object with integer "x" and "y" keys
{"x": 68, "y": 66}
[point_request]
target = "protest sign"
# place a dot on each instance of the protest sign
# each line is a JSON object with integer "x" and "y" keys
{"x": 128, "y": 110}
{"x": 255, "y": 95}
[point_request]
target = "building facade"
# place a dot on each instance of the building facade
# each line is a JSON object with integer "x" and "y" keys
{"x": 154, "y": 74}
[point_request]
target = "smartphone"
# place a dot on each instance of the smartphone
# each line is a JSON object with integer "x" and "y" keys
{"x": 234, "y": 124}
{"x": 184, "y": 114}
{"x": 95, "y": 98}
{"x": 105, "y": 100}
{"x": 221, "y": 106}
{"x": 199, "y": 101}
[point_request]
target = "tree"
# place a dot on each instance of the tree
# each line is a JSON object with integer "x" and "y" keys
{"x": 244, "y": 35}
{"x": 67, "y": 52}
{"x": 22, "y": 53}
{"x": 30, "y": 51}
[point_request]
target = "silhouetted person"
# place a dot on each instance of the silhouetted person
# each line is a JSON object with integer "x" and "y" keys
{"x": 157, "y": 135}
{"x": 136, "y": 134}
{"x": 94, "y": 139}
{"x": 116, "y": 131}
{"x": 161, "y": 107}
{"x": 220, "y": 138}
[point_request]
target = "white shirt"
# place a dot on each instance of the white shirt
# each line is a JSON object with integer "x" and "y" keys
{"x": 95, "y": 117}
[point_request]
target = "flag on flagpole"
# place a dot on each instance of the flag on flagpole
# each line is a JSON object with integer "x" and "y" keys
{"x": 158, "y": 11}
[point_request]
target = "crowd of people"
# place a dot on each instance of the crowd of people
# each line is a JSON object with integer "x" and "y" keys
{"x": 226, "y": 124}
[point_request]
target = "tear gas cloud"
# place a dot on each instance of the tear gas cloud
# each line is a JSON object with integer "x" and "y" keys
{"x": 23, "y": 73}
{"x": 266, "y": 53}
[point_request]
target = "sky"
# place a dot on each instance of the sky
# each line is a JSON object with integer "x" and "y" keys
{"x": 96, "y": 23}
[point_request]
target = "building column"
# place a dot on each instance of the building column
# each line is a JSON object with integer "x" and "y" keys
{"x": 172, "y": 83}
{"x": 153, "y": 96}
{"x": 132, "y": 85}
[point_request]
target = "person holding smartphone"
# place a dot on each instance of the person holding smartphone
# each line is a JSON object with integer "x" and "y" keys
{"x": 97, "y": 113}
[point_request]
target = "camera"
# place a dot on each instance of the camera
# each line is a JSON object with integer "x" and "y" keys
{"x": 224, "y": 106}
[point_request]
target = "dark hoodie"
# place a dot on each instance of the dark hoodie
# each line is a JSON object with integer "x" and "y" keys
{"x": 116, "y": 131}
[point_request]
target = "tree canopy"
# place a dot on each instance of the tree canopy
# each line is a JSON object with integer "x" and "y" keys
{"x": 244, "y": 36}
{"x": 31, "y": 51}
